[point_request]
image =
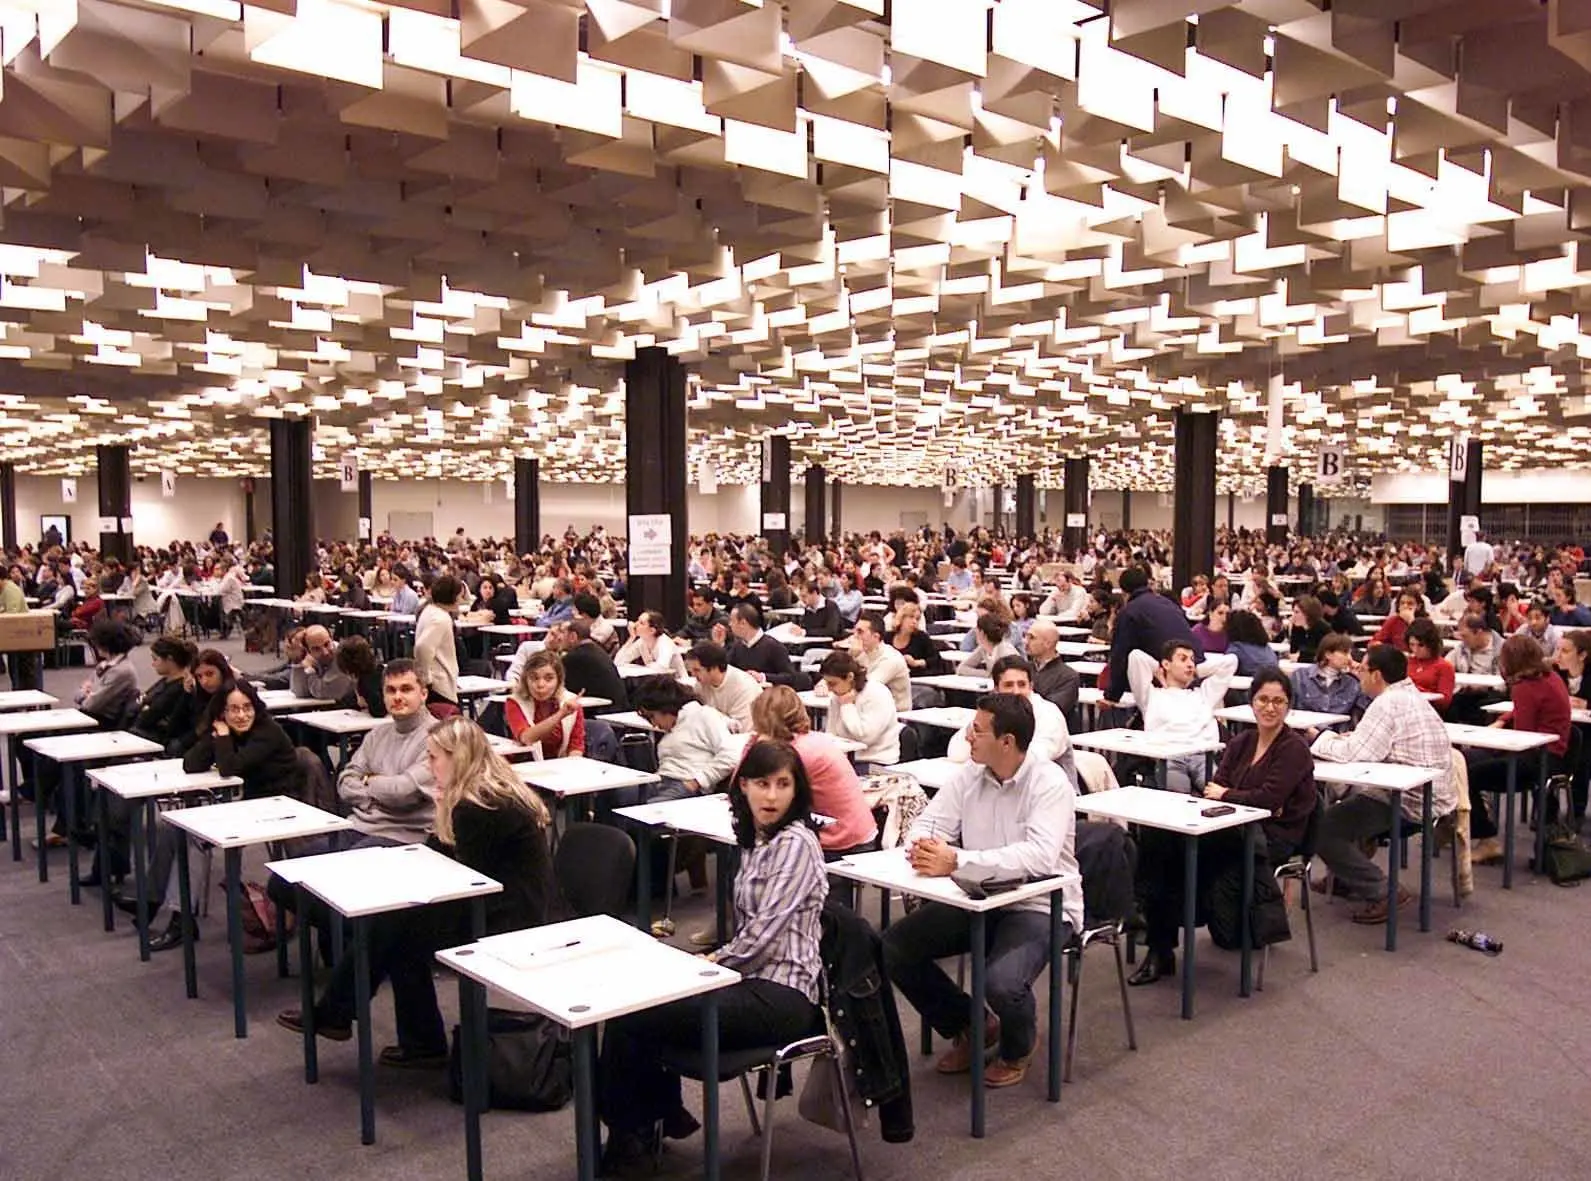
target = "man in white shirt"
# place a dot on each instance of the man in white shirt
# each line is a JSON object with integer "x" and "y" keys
{"x": 1478, "y": 556}
{"x": 883, "y": 663}
{"x": 1010, "y": 812}
{"x": 1173, "y": 707}
{"x": 1052, "y": 740}
{"x": 728, "y": 690}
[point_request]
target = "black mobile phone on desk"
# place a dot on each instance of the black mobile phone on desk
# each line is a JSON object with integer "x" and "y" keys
{"x": 1218, "y": 810}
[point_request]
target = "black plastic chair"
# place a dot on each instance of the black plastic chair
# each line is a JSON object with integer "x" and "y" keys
{"x": 1298, "y": 869}
{"x": 1107, "y": 860}
{"x": 595, "y": 868}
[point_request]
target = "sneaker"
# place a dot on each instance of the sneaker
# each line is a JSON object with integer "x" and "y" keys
{"x": 704, "y": 938}
{"x": 1375, "y": 912}
{"x": 1486, "y": 851}
{"x": 958, "y": 1059}
{"x": 1001, "y": 1073}
{"x": 662, "y": 928}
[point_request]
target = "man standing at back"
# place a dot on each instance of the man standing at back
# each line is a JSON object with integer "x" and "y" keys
{"x": 1147, "y": 623}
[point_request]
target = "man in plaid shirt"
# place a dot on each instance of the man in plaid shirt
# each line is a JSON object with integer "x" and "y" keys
{"x": 1399, "y": 727}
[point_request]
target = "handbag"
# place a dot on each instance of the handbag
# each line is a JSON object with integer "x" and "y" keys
{"x": 1267, "y": 909}
{"x": 529, "y": 1063}
{"x": 1567, "y": 857}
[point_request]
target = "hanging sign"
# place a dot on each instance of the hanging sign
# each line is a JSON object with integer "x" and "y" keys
{"x": 652, "y": 544}
{"x": 1330, "y": 466}
{"x": 168, "y": 484}
{"x": 69, "y": 491}
{"x": 348, "y": 473}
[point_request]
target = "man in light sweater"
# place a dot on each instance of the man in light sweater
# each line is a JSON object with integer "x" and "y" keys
{"x": 728, "y": 690}
{"x": 1174, "y": 708}
{"x": 387, "y": 785}
{"x": 883, "y": 663}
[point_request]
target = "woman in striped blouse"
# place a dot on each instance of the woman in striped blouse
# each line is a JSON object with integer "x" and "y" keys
{"x": 779, "y": 894}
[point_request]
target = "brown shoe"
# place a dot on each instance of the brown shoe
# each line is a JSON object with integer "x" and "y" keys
{"x": 958, "y": 1059}
{"x": 1006, "y": 1074}
{"x": 1486, "y": 851}
{"x": 1375, "y": 912}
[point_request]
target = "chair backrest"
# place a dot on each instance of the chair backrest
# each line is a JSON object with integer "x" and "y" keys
{"x": 595, "y": 868}
{"x": 1311, "y": 838}
{"x": 316, "y": 786}
{"x": 910, "y": 745}
{"x": 602, "y": 742}
{"x": 1107, "y": 860}
{"x": 1093, "y": 771}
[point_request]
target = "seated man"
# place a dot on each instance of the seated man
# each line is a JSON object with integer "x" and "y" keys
{"x": 1173, "y": 708}
{"x": 1399, "y": 727}
{"x": 1052, "y": 740}
{"x": 317, "y": 674}
{"x": 1067, "y": 600}
{"x": 387, "y": 784}
{"x": 1053, "y": 679}
{"x": 1011, "y": 811}
{"x": 588, "y": 670}
{"x": 759, "y": 654}
{"x": 589, "y": 608}
{"x": 819, "y": 616}
{"x": 728, "y": 690}
{"x": 883, "y": 663}
{"x": 991, "y": 648}
{"x": 701, "y": 616}
{"x": 560, "y": 605}
{"x": 1477, "y": 652}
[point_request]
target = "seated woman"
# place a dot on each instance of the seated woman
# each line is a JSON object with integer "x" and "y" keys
{"x": 861, "y": 710}
{"x": 1428, "y": 669}
{"x": 542, "y": 714}
{"x": 1394, "y": 629}
{"x": 697, "y": 751}
{"x": 779, "y": 895}
{"x": 357, "y": 659}
{"x": 211, "y": 673}
{"x": 1540, "y": 703}
{"x": 90, "y": 608}
{"x": 1307, "y": 629}
{"x": 1571, "y": 659}
{"x": 1329, "y": 686}
{"x": 1211, "y": 630}
{"x": 1265, "y": 766}
{"x": 778, "y": 715}
{"x": 486, "y": 819}
{"x": 911, "y": 641}
{"x": 314, "y": 589}
{"x": 650, "y": 646}
{"x": 1249, "y": 642}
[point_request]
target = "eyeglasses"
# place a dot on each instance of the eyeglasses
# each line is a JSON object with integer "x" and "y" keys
{"x": 1270, "y": 702}
{"x": 240, "y": 709}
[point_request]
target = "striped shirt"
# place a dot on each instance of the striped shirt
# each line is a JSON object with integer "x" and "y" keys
{"x": 779, "y": 893}
{"x": 1399, "y": 727}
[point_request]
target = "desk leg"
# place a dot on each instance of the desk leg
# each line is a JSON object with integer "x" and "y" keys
{"x": 337, "y": 939}
{"x": 1245, "y": 986}
{"x": 643, "y": 878}
{"x": 1539, "y": 863}
{"x": 477, "y": 918}
{"x": 306, "y": 986}
{"x": 141, "y": 819}
{"x": 1507, "y": 831}
{"x": 15, "y": 782}
{"x": 723, "y": 859}
{"x": 102, "y": 847}
{"x": 69, "y": 814}
{"x": 283, "y": 970}
{"x": 1425, "y": 858}
{"x": 1057, "y": 986}
{"x": 1394, "y": 864}
{"x": 585, "y": 1055}
{"x": 367, "y": 1070}
{"x": 190, "y": 970}
{"x": 975, "y": 1027}
{"x": 234, "y": 935}
{"x": 710, "y": 1086}
{"x": 38, "y": 823}
{"x": 1190, "y": 920}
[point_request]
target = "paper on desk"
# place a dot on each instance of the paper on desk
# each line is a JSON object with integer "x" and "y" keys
{"x": 558, "y": 955}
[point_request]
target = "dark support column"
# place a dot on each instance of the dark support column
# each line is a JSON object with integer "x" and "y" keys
{"x": 8, "y": 505}
{"x": 292, "y": 502}
{"x": 838, "y": 531}
{"x": 1231, "y": 512}
{"x": 1306, "y": 510}
{"x": 115, "y": 501}
{"x": 1472, "y": 479}
{"x": 249, "y": 530}
{"x": 1075, "y": 521}
{"x": 1126, "y": 509}
{"x": 1193, "y": 498}
{"x": 1276, "y": 517}
{"x": 999, "y": 507}
{"x": 816, "y": 526}
{"x": 367, "y": 512}
{"x": 1463, "y": 492}
{"x": 527, "y": 505}
{"x": 655, "y": 471}
{"x": 1027, "y": 506}
{"x": 776, "y": 496}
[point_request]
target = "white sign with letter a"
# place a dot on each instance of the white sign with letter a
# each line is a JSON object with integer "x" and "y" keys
{"x": 69, "y": 491}
{"x": 652, "y": 544}
{"x": 168, "y": 484}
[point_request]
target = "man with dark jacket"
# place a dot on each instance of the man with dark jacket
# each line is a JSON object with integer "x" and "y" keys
{"x": 821, "y": 616}
{"x": 701, "y": 616}
{"x": 1338, "y": 615}
{"x": 758, "y": 653}
{"x": 1145, "y": 624}
{"x": 588, "y": 670}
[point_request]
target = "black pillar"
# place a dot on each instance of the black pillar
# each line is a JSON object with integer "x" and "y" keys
{"x": 999, "y": 507}
{"x": 249, "y": 530}
{"x": 1276, "y": 506}
{"x": 527, "y": 505}
{"x": 1126, "y": 509}
{"x": 292, "y": 502}
{"x": 365, "y": 527}
{"x": 115, "y": 502}
{"x": 816, "y": 526}
{"x": 8, "y": 506}
{"x": 1193, "y": 497}
{"x": 1027, "y": 506}
{"x": 1463, "y": 491}
{"x": 776, "y": 496}
{"x": 837, "y": 532}
{"x": 1306, "y": 510}
{"x": 654, "y": 472}
{"x": 1075, "y": 521}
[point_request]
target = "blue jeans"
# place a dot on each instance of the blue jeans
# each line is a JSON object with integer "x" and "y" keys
{"x": 1018, "y": 948}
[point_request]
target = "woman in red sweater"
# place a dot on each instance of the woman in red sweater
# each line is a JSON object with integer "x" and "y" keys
{"x": 1427, "y": 668}
{"x": 1541, "y": 705}
{"x": 1395, "y": 630}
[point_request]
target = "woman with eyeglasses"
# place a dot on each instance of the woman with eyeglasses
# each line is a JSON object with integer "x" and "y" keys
{"x": 1265, "y": 766}
{"x": 241, "y": 739}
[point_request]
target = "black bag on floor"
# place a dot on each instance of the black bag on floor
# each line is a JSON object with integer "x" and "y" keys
{"x": 1267, "y": 914}
{"x": 1567, "y": 856}
{"x": 529, "y": 1063}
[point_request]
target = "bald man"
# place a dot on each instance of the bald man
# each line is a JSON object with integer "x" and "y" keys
{"x": 317, "y": 675}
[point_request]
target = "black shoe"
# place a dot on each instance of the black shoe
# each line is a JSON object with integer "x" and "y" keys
{"x": 293, "y": 1019}
{"x": 172, "y": 935}
{"x": 129, "y": 906}
{"x": 405, "y": 1059}
{"x": 680, "y": 1124}
{"x": 1155, "y": 966}
{"x": 630, "y": 1154}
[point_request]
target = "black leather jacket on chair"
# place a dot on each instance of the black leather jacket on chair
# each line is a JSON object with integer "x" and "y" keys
{"x": 862, "y": 1006}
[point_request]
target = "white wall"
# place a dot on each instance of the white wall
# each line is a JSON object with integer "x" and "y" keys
{"x": 1544, "y": 486}
{"x": 189, "y": 515}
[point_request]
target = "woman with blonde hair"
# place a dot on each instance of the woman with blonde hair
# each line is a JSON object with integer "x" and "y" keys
{"x": 778, "y": 714}
{"x": 486, "y": 819}
{"x": 542, "y": 714}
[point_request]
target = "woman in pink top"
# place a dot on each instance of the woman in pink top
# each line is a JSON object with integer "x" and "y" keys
{"x": 836, "y": 792}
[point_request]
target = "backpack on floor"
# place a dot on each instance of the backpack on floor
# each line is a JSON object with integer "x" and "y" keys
{"x": 529, "y": 1063}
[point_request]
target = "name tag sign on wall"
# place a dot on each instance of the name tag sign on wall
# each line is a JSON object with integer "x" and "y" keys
{"x": 69, "y": 491}
{"x": 168, "y": 484}
{"x": 1330, "y": 466}
{"x": 652, "y": 544}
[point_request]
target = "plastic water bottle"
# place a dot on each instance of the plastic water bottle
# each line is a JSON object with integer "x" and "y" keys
{"x": 1479, "y": 940}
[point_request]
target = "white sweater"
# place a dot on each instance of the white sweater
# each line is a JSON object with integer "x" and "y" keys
{"x": 699, "y": 747}
{"x": 665, "y": 656}
{"x": 888, "y": 668}
{"x": 1180, "y": 713}
{"x": 733, "y": 698}
{"x": 435, "y": 654}
{"x": 870, "y": 720}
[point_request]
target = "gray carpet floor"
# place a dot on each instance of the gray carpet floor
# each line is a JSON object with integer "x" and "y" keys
{"x": 1434, "y": 1062}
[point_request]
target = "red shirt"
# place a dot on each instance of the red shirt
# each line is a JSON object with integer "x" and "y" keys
{"x": 1394, "y": 631}
{"x": 1541, "y": 704}
{"x": 1433, "y": 676}
{"x": 551, "y": 746}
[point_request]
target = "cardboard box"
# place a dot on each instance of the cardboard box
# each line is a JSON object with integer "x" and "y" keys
{"x": 33, "y": 632}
